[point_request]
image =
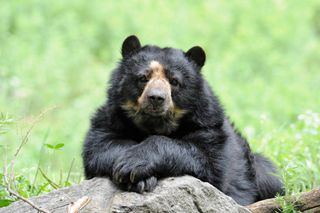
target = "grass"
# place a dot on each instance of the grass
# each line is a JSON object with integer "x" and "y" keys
{"x": 263, "y": 62}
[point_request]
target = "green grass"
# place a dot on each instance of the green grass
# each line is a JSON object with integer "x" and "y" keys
{"x": 263, "y": 60}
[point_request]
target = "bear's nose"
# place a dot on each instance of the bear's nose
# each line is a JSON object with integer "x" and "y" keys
{"x": 156, "y": 99}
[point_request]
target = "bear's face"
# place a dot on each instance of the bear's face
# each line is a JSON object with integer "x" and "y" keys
{"x": 155, "y": 100}
{"x": 159, "y": 85}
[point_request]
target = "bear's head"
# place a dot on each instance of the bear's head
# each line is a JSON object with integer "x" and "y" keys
{"x": 158, "y": 86}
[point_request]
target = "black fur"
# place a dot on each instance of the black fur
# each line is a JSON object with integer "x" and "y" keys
{"x": 203, "y": 143}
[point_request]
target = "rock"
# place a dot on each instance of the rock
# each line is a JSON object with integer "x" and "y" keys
{"x": 180, "y": 194}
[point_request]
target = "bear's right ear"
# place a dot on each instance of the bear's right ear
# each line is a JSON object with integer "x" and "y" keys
{"x": 130, "y": 45}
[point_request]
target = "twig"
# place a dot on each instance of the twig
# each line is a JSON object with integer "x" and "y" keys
{"x": 53, "y": 184}
{"x": 78, "y": 205}
{"x": 9, "y": 179}
{"x": 12, "y": 192}
{"x": 25, "y": 139}
{"x": 69, "y": 172}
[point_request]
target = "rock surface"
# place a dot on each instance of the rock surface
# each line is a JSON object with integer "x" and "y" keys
{"x": 181, "y": 194}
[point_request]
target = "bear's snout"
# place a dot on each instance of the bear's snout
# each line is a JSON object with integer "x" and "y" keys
{"x": 156, "y": 101}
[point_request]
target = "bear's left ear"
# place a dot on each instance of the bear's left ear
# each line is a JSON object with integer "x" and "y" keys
{"x": 197, "y": 55}
{"x": 129, "y": 45}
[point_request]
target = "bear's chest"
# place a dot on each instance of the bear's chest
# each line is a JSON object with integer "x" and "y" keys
{"x": 155, "y": 125}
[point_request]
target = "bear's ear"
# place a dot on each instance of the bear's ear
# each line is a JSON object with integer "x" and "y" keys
{"x": 197, "y": 55}
{"x": 129, "y": 45}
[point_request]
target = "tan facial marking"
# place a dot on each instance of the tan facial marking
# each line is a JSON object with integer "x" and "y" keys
{"x": 157, "y": 70}
{"x": 131, "y": 106}
{"x": 177, "y": 112}
{"x": 157, "y": 80}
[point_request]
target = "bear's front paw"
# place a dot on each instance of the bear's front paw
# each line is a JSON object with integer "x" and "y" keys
{"x": 146, "y": 185}
{"x": 134, "y": 174}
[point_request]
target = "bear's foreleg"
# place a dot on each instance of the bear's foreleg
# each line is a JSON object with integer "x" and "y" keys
{"x": 101, "y": 150}
{"x": 159, "y": 156}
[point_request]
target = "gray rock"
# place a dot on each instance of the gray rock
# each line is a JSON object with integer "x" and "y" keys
{"x": 181, "y": 194}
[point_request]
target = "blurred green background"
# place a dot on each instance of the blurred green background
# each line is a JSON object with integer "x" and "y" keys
{"x": 263, "y": 60}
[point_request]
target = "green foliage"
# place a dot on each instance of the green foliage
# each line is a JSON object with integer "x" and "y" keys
{"x": 287, "y": 207}
{"x": 295, "y": 147}
{"x": 263, "y": 60}
{"x": 23, "y": 186}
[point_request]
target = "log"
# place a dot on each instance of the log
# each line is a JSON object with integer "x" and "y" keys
{"x": 179, "y": 194}
{"x": 99, "y": 195}
{"x": 304, "y": 201}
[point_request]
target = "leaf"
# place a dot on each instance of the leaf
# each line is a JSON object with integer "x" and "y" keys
{"x": 5, "y": 202}
{"x": 50, "y": 146}
{"x": 59, "y": 146}
{"x": 43, "y": 188}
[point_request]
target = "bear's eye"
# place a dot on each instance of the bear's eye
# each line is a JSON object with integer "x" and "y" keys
{"x": 174, "y": 82}
{"x": 143, "y": 79}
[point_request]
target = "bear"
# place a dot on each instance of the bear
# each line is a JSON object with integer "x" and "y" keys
{"x": 162, "y": 119}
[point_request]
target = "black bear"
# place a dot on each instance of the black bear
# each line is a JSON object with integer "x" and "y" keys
{"x": 162, "y": 119}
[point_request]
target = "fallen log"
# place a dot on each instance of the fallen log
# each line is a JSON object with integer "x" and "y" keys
{"x": 173, "y": 195}
{"x": 305, "y": 201}
{"x": 179, "y": 194}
